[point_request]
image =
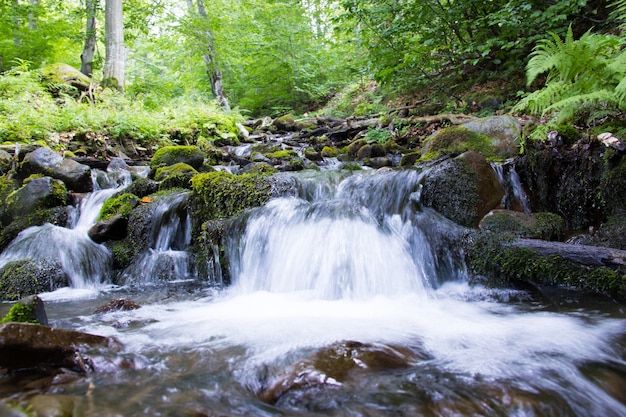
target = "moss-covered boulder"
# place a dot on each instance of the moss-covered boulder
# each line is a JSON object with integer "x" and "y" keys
{"x": 7, "y": 186}
{"x": 547, "y": 226}
{"x": 409, "y": 159}
{"x": 26, "y": 277}
{"x": 175, "y": 176}
{"x": 456, "y": 140}
{"x": 37, "y": 193}
{"x": 504, "y": 132}
{"x": 120, "y": 205}
{"x": 219, "y": 194}
{"x": 60, "y": 73}
{"x": 463, "y": 189}
{"x": 170, "y": 155}
{"x": 27, "y": 310}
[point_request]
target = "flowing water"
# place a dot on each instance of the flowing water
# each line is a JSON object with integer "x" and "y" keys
{"x": 351, "y": 264}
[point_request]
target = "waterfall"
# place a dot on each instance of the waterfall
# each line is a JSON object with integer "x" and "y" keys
{"x": 166, "y": 258}
{"x": 366, "y": 238}
{"x": 514, "y": 195}
{"x": 85, "y": 262}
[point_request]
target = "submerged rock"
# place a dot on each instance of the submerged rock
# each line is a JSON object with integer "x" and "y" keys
{"x": 117, "y": 304}
{"x": 29, "y": 346}
{"x": 334, "y": 365}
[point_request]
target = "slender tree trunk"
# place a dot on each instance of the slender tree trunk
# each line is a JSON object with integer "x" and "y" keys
{"x": 17, "y": 40}
{"x": 89, "y": 49}
{"x": 32, "y": 21}
{"x": 215, "y": 75}
{"x": 115, "y": 62}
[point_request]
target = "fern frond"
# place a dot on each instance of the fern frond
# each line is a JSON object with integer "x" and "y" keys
{"x": 577, "y": 100}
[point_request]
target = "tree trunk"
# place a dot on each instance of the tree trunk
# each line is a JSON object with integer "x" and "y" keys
{"x": 114, "y": 65}
{"x": 86, "y": 58}
{"x": 215, "y": 75}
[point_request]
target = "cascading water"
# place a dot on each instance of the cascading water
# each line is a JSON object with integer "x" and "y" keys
{"x": 514, "y": 193}
{"x": 166, "y": 258}
{"x": 85, "y": 262}
{"x": 356, "y": 260}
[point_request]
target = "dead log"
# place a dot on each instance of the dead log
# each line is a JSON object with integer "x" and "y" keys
{"x": 581, "y": 254}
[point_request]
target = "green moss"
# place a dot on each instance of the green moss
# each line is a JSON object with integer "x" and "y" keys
{"x": 352, "y": 166}
{"x": 7, "y": 186}
{"x": 20, "y": 313}
{"x": 170, "y": 155}
{"x": 285, "y": 154}
{"x": 120, "y": 205}
{"x": 457, "y": 140}
{"x": 550, "y": 226}
{"x": 547, "y": 226}
{"x": 219, "y": 194}
{"x": 409, "y": 159}
{"x": 354, "y": 147}
{"x": 123, "y": 253}
{"x": 329, "y": 152}
{"x": 505, "y": 265}
{"x": 179, "y": 168}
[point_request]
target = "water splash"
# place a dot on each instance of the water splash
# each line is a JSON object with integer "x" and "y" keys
{"x": 166, "y": 258}
{"x": 514, "y": 194}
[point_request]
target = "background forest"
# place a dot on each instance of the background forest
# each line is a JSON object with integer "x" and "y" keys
{"x": 180, "y": 64}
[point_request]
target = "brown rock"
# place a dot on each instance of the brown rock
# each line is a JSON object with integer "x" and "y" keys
{"x": 490, "y": 192}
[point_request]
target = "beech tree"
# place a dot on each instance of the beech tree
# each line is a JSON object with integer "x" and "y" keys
{"x": 115, "y": 60}
{"x": 89, "y": 48}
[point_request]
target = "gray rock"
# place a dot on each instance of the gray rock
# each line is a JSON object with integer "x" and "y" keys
{"x": 44, "y": 161}
{"x": 38, "y": 193}
{"x": 505, "y": 131}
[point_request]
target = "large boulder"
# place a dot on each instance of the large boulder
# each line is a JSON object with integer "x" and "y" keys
{"x": 76, "y": 176}
{"x": 504, "y": 131}
{"x": 26, "y": 277}
{"x": 463, "y": 189}
{"x": 170, "y": 155}
{"x": 30, "y": 346}
{"x": 59, "y": 73}
{"x": 36, "y": 194}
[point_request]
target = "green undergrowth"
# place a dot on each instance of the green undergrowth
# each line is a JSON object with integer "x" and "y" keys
{"x": 29, "y": 113}
{"x": 20, "y": 313}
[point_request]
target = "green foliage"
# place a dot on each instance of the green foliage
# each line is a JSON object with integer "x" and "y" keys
{"x": 20, "y": 313}
{"x": 356, "y": 99}
{"x": 378, "y": 135}
{"x": 121, "y": 205}
{"x": 587, "y": 71}
{"x": 444, "y": 45}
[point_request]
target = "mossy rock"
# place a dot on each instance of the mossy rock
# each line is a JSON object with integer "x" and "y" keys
{"x": 410, "y": 159}
{"x": 285, "y": 154}
{"x": 27, "y": 310}
{"x": 220, "y": 194}
{"x": 354, "y": 147}
{"x": 329, "y": 152}
{"x": 170, "y": 155}
{"x": 258, "y": 168}
{"x": 121, "y": 205}
{"x": 59, "y": 73}
{"x": 175, "y": 176}
{"x": 7, "y": 186}
{"x": 546, "y": 226}
{"x": 6, "y": 162}
{"x": 456, "y": 140}
{"x": 142, "y": 187}
{"x": 451, "y": 189}
{"x": 37, "y": 193}
{"x": 611, "y": 234}
{"x": 26, "y": 277}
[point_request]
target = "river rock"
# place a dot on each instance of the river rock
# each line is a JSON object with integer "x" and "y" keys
{"x": 504, "y": 131}
{"x": 117, "y": 304}
{"x": 546, "y": 226}
{"x": 334, "y": 365}
{"x": 36, "y": 194}
{"x": 28, "y": 346}
{"x": 6, "y": 161}
{"x": 115, "y": 228}
{"x": 462, "y": 189}
{"x": 76, "y": 176}
{"x": 170, "y": 155}
{"x": 29, "y": 276}
{"x": 490, "y": 192}
{"x": 27, "y": 310}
